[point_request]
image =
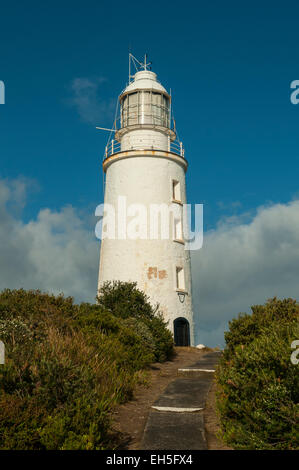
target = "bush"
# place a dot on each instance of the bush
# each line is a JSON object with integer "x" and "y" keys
{"x": 162, "y": 337}
{"x": 68, "y": 365}
{"x": 246, "y": 328}
{"x": 258, "y": 398}
{"x": 125, "y": 301}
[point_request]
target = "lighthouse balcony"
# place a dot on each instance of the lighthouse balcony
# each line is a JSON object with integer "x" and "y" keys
{"x": 114, "y": 146}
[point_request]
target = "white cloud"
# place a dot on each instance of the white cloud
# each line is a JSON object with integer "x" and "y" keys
{"x": 87, "y": 101}
{"x": 245, "y": 264}
{"x": 57, "y": 252}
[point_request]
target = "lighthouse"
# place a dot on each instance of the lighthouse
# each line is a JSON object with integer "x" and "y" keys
{"x": 145, "y": 189}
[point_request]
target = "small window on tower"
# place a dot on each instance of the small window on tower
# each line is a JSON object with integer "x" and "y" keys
{"x": 176, "y": 190}
{"x": 178, "y": 233}
{"x": 180, "y": 278}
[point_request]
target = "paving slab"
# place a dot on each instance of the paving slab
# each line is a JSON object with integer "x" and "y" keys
{"x": 185, "y": 393}
{"x": 164, "y": 431}
{"x": 208, "y": 361}
{"x": 193, "y": 372}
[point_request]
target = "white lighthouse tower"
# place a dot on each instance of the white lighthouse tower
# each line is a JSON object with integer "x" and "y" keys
{"x": 145, "y": 167}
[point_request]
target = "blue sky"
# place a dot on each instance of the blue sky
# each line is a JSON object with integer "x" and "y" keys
{"x": 229, "y": 65}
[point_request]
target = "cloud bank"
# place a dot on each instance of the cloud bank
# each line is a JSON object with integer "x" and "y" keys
{"x": 245, "y": 264}
{"x": 56, "y": 252}
{"x": 242, "y": 262}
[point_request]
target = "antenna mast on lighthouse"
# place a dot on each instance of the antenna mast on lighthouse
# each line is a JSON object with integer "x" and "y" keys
{"x": 138, "y": 65}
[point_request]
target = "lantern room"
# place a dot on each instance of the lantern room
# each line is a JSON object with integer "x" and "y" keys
{"x": 144, "y": 116}
{"x": 145, "y": 101}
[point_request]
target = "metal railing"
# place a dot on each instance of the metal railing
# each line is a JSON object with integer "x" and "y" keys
{"x": 175, "y": 147}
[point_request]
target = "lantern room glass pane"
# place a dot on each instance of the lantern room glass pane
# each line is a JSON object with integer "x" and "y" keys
{"x": 145, "y": 107}
{"x": 124, "y": 112}
{"x": 156, "y": 108}
{"x": 165, "y": 111}
{"x": 145, "y": 116}
{"x": 133, "y": 109}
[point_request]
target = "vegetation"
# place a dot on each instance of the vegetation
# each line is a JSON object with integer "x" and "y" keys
{"x": 258, "y": 399}
{"x": 68, "y": 365}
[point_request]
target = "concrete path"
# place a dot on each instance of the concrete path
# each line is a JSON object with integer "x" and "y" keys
{"x": 176, "y": 420}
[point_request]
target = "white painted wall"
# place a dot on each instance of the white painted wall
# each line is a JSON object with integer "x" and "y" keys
{"x": 152, "y": 263}
{"x": 144, "y": 139}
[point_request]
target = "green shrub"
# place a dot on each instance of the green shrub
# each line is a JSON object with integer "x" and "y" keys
{"x": 162, "y": 337}
{"x": 94, "y": 318}
{"x": 68, "y": 365}
{"x": 258, "y": 398}
{"x": 246, "y": 327}
{"x": 125, "y": 301}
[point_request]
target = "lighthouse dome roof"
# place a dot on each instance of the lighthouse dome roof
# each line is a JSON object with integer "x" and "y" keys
{"x": 145, "y": 80}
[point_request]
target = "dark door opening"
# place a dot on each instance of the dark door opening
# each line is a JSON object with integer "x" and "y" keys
{"x": 181, "y": 332}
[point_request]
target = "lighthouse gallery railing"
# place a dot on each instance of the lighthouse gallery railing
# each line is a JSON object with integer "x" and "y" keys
{"x": 114, "y": 146}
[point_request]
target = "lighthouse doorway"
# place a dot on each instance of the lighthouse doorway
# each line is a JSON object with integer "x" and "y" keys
{"x": 181, "y": 332}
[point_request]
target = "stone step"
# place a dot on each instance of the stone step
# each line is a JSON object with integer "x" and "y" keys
{"x": 193, "y": 372}
{"x": 185, "y": 393}
{"x": 174, "y": 431}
